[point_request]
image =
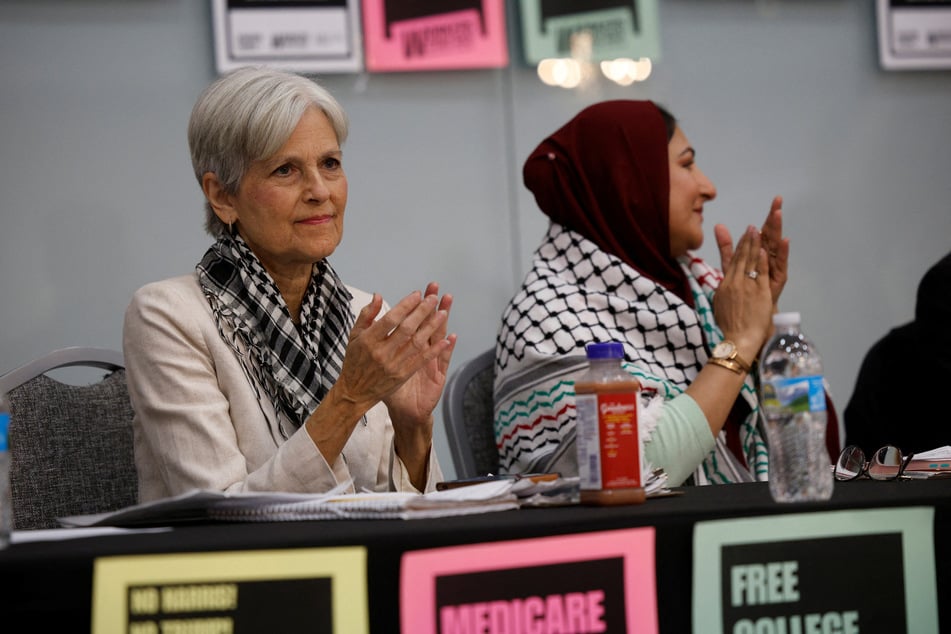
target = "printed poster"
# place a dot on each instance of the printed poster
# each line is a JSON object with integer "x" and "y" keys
{"x": 840, "y": 571}
{"x": 914, "y": 34}
{"x": 414, "y": 35}
{"x": 617, "y": 28}
{"x": 306, "y": 36}
{"x": 590, "y": 582}
{"x": 319, "y": 590}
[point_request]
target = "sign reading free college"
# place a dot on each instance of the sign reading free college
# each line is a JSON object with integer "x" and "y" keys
{"x": 841, "y": 572}
{"x": 592, "y": 582}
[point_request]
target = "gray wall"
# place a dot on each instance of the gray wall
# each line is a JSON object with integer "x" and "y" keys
{"x": 779, "y": 97}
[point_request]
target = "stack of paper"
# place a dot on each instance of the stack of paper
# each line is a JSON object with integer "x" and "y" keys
{"x": 199, "y": 506}
{"x": 479, "y": 498}
{"x": 935, "y": 463}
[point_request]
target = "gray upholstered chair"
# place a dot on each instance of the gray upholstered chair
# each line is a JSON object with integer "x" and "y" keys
{"x": 467, "y": 414}
{"x": 70, "y": 445}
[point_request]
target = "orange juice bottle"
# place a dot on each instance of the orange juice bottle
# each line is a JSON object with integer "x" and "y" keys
{"x": 608, "y": 440}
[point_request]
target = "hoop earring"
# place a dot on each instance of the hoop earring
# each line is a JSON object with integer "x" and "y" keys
{"x": 231, "y": 229}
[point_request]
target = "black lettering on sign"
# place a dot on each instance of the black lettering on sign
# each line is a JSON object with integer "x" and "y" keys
{"x": 834, "y": 585}
{"x": 604, "y": 33}
{"x": 444, "y": 39}
{"x": 401, "y": 10}
{"x": 559, "y": 8}
{"x": 579, "y": 597}
{"x": 284, "y": 605}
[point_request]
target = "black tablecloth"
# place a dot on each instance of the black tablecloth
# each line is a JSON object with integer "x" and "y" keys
{"x": 51, "y": 582}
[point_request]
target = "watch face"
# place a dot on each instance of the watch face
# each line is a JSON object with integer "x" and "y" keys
{"x": 723, "y": 350}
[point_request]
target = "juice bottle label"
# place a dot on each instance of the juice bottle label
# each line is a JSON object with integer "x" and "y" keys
{"x": 608, "y": 441}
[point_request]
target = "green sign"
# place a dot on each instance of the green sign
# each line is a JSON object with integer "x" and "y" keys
{"x": 837, "y": 572}
{"x": 592, "y": 30}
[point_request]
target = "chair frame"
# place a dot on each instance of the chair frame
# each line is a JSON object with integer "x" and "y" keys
{"x": 459, "y": 445}
{"x": 44, "y": 494}
{"x": 104, "y": 358}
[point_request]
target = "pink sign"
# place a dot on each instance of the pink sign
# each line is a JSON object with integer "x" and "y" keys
{"x": 585, "y": 583}
{"x": 405, "y": 35}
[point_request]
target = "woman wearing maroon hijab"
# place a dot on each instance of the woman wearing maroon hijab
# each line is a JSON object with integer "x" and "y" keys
{"x": 625, "y": 198}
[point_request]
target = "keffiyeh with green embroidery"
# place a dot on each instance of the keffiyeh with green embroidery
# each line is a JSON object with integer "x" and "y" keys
{"x": 575, "y": 294}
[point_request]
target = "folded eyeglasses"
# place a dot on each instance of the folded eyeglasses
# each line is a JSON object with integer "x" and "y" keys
{"x": 887, "y": 463}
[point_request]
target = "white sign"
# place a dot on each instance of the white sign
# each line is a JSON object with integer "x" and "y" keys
{"x": 300, "y": 36}
{"x": 914, "y": 35}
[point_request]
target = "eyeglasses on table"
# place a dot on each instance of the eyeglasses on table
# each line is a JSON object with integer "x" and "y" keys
{"x": 888, "y": 463}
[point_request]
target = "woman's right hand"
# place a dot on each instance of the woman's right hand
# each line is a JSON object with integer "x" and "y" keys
{"x": 743, "y": 303}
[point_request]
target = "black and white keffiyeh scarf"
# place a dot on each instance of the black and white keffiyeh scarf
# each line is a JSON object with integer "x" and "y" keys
{"x": 295, "y": 365}
{"x": 576, "y": 294}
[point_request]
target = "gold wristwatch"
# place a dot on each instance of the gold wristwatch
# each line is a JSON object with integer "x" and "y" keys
{"x": 725, "y": 355}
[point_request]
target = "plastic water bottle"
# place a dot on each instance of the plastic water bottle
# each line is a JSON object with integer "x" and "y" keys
{"x": 6, "y": 501}
{"x": 793, "y": 399}
{"x": 608, "y": 438}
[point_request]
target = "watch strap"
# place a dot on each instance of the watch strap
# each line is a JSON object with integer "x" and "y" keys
{"x": 729, "y": 364}
{"x": 740, "y": 362}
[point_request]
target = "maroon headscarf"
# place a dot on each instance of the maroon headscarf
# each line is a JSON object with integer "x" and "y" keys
{"x": 604, "y": 175}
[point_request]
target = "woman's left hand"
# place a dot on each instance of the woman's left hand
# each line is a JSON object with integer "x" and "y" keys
{"x": 412, "y": 403}
{"x": 772, "y": 240}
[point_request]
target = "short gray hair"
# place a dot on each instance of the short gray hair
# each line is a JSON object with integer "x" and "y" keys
{"x": 247, "y": 115}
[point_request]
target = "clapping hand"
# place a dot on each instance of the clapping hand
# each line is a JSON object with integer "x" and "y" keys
{"x": 743, "y": 301}
{"x": 771, "y": 240}
{"x": 402, "y": 357}
{"x": 414, "y": 401}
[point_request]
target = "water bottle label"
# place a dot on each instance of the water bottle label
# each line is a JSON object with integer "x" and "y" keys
{"x": 795, "y": 394}
{"x": 4, "y": 425}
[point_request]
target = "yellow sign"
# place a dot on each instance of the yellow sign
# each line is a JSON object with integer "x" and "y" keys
{"x": 312, "y": 589}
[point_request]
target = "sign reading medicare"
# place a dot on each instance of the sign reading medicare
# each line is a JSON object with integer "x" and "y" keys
{"x": 582, "y": 584}
{"x": 842, "y": 572}
{"x": 296, "y": 35}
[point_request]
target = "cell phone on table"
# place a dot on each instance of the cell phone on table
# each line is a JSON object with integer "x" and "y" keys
{"x": 534, "y": 477}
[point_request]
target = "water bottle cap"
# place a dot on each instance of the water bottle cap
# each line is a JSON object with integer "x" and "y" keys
{"x": 786, "y": 319}
{"x": 606, "y": 350}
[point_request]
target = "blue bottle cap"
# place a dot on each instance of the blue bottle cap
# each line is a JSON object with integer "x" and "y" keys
{"x": 606, "y": 350}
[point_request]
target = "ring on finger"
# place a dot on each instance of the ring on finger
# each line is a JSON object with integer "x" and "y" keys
{"x": 752, "y": 274}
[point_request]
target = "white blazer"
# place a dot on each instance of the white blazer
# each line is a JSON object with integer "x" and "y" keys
{"x": 199, "y": 424}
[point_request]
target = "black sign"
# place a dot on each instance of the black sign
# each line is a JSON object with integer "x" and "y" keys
{"x": 286, "y": 605}
{"x": 581, "y": 597}
{"x": 830, "y": 585}
{"x": 400, "y": 10}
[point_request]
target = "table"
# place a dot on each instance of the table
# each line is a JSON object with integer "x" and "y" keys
{"x": 50, "y": 583}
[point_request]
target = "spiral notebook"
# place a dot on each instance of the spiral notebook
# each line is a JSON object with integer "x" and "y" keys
{"x": 203, "y": 506}
{"x": 372, "y": 505}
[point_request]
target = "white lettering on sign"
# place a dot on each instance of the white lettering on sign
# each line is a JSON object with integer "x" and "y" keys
{"x": 569, "y": 613}
{"x": 828, "y": 623}
{"x": 758, "y": 584}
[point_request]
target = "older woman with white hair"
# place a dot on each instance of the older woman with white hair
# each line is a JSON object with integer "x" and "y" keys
{"x": 261, "y": 370}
